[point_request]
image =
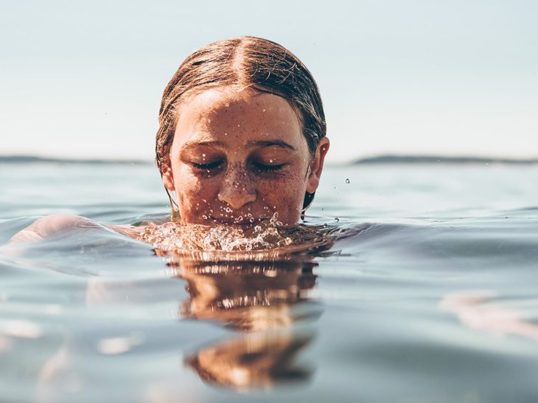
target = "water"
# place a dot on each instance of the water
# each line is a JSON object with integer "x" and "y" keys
{"x": 432, "y": 296}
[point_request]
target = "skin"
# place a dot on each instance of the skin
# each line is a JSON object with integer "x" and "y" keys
{"x": 239, "y": 157}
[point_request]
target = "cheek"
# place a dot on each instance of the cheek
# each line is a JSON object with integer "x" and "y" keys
{"x": 285, "y": 196}
{"x": 193, "y": 193}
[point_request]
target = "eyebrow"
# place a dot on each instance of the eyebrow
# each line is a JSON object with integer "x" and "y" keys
{"x": 195, "y": 143}
{"x": 257, "y": 143}
{"x": 270, "y": 143}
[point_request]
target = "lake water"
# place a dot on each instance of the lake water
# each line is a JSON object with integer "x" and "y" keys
{"x": 432, "y": 296}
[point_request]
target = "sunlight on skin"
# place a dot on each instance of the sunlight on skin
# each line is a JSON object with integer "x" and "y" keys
{"x": 240, "y": 156}
{"x": 55, "y": 223}
{"x": 43, "y": 228}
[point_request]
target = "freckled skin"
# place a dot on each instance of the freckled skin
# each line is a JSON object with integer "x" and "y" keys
{"x": 240, "y": 156}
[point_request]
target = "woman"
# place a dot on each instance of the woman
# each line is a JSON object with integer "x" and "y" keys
{"x": 242, "y": 139}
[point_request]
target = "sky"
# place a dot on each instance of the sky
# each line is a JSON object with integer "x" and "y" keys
{"x": 83, "y": 79}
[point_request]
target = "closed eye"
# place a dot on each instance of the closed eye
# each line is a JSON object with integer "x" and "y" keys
{"x": 268, "y": 167}
{"x": 208, "y": 165}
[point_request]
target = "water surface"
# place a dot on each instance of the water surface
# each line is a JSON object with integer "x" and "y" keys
{"x": 433, "y": 298}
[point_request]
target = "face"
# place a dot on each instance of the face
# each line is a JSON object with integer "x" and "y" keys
{"x": 239, "y": 157}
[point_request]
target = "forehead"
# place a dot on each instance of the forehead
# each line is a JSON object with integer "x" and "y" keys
{"x": 243, "y": 115}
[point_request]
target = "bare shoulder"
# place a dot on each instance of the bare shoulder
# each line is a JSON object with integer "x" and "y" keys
{"x": 50, "y": 225}
{"x": 59, "y": 224}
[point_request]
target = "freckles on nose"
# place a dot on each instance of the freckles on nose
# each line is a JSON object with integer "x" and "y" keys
{"x": 237, "y": 188}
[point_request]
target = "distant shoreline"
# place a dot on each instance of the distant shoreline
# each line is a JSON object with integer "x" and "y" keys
{"x": 30, "y": 159}
{"x": 436, "y": 159}
{"x": 375, "y": 160}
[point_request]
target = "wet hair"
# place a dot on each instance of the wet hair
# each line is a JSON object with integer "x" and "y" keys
{"x": 243, "y": 62}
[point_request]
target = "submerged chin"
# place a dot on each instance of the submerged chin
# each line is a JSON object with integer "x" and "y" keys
{"x": 242, "y": 220}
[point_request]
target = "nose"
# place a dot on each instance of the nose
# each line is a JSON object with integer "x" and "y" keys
{"x": 237, "y": 189}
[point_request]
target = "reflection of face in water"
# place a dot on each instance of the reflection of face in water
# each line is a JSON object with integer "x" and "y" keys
{"x": 256, "y": 360}
{"x": 246, "y": 295}
{"x": 262, "y": 298}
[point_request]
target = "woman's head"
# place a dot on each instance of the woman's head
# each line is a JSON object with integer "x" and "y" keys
{"x": 242, "y": 134}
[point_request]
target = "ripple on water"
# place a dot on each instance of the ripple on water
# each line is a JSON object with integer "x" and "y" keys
{"x": 226, "y": 242}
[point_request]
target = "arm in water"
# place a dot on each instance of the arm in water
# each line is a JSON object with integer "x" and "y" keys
{"x": 57, "y": 224}
{"x": 474, "y": 311}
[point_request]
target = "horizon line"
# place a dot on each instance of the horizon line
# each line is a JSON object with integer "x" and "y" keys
{"x": 387, "y": 158}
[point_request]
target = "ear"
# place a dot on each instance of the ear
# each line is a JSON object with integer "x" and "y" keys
{"x": 168, "y": 177}
{"x": 316, "y": 166}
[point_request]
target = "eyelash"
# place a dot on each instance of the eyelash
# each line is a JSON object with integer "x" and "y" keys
{"x": 267, "y": 168}
{"x": 260, "y": 167}
{"x": 208, "y": 166}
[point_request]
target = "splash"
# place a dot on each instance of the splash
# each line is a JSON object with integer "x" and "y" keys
{"x": 269, "y": 239}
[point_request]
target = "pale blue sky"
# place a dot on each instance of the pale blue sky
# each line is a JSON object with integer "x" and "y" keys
{"x": 84, "y": 78}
